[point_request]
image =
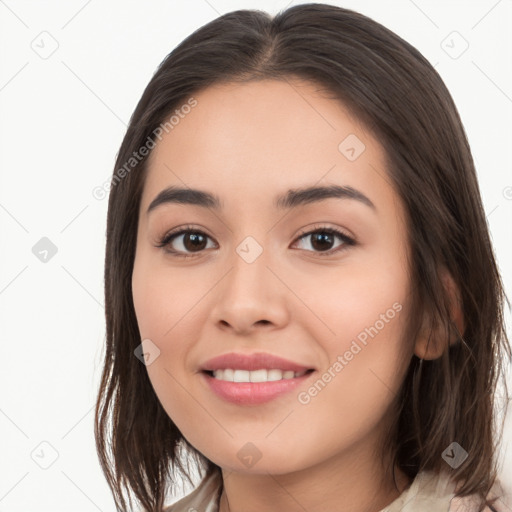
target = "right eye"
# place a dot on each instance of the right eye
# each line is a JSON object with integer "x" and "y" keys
{"x": 185, "y": 242}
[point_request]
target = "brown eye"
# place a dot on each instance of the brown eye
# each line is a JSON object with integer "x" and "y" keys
{"x": 185, "y": 242}
{"x": 194, "y": 241}
{"x": 323, "y": 241}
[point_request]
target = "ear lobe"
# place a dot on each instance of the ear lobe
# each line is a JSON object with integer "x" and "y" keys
{"x": 431, "y": 341}
{"x": 428, "y": 345}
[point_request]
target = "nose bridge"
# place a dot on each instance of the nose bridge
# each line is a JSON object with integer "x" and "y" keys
{"x": 248, "y": 279}
{"x": 249, "y": 292}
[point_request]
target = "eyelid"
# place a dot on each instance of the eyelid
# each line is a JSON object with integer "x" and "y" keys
{"x": 324, "y": 227}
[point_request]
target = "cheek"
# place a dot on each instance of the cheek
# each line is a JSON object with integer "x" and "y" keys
{"x": 361, "y": 316}
{"x": 346, "y": 301}
{"x": 170, "y": 311}
{"x": 163, "y": 297}
{"x": 164, "y": 307}
{"x": 367, "y": 361}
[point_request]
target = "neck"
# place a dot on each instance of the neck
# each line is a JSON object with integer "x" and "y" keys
{"x": 353, "y": 484}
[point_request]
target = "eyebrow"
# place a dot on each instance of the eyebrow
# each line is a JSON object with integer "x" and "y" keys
{"x": 291, "y": 199}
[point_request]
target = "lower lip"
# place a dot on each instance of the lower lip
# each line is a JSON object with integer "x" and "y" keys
{"x": 253, "y": 393}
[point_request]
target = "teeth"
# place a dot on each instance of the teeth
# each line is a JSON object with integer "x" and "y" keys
{"x": 256, "y": 375}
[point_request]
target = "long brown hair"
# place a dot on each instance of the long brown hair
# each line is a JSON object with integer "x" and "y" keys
{"x": 391, "y": 88}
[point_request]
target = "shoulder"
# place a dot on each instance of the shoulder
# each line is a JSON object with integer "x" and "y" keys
{"x": 471, "y": 503}
{"x": 204, "y": 497}
{"x": 436, "y": 492}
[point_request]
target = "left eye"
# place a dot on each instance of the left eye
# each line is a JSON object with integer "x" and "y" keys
{"x": 322, "y": 240}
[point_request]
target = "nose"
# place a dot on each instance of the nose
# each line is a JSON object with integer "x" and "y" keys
{"x": 249, "y": 298}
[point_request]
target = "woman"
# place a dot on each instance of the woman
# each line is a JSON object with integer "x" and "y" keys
{"x": 301, "y": 292}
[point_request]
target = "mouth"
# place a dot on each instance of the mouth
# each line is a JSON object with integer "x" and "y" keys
{"x": 253, "y": 388}
{"x": 255, "y": 376}
{"x": 252, "y": 379}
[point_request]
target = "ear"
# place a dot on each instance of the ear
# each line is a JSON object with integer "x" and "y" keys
{"x": 433, "y": 341}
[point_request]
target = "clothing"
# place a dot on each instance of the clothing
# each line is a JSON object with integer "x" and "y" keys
{"x": 428, "y": 492}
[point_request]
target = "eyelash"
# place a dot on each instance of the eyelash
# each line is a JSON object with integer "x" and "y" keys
{"x": 168, "y": 237}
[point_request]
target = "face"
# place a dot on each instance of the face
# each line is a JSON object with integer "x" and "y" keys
{"x": 319, "y": 279}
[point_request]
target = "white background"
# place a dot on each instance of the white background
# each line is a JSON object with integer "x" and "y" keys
{"x": 62, "y": 120}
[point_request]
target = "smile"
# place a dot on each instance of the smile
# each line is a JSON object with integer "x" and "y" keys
{"x": 272, "y": 384}
{"x": 262, "y": 375}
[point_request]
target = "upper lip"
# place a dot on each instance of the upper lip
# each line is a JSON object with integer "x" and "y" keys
{"x": 252, "y": 362}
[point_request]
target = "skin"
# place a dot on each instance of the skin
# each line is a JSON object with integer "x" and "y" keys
{"x": 247, "y": 144}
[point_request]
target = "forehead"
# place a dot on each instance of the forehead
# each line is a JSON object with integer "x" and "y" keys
{"x": 264, "y": 136}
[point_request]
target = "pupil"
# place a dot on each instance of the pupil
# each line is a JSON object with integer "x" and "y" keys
{"x": 321, "y": 241}
{"x": 194, "y": 241}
